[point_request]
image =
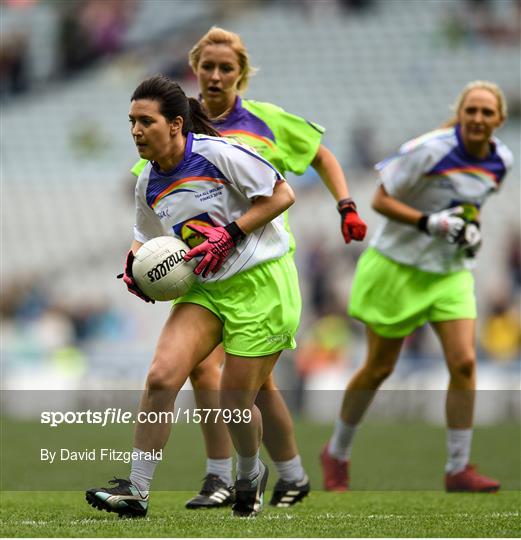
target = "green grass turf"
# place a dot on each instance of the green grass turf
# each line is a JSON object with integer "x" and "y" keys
{"x": 355, "y": 514}
{"x": 397, "y": 474}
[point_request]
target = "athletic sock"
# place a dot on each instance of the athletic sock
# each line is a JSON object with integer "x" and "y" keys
{"x": 142, "y": 471}
{"x": 290, "y": 470}
{"x": 458, "y": 448}
{"x": 341, "y": 443}
{"x": 222, "y": 468}
{"x": 248, "y": 467}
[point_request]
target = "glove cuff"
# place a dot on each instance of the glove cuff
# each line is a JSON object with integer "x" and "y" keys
{"x": 422, "y": 223}
{"x": 346, "y": 205}
{"x": 237, "y": 235}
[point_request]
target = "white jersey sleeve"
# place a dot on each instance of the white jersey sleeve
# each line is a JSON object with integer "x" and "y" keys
{"x": 399, "y": 175}
{"x": 147, "y": 224}
{"x": 250, "y": 173}
{"x": 505, "y": 154}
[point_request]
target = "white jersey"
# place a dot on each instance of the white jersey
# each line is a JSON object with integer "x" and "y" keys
{"x": 432, "y": 173}
{"x": 214, "y": 184}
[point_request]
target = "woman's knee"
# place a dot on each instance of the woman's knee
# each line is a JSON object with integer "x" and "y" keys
{"x": 463, "y": 365}
{"x": 382, "y": 356}
{"x": 162, "y": 376}
{"x": 157, "y": 379}
{"x": 377, "y": 373}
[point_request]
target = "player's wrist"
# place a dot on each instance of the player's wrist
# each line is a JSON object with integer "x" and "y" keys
{"x": 235, "y": 232}
{"x": 421, "y": 224}
{"x": 346, "y": 205}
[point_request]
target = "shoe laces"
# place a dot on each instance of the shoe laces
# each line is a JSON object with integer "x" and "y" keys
{"x": 212, "y": 483}
{"x": 244, "y": 484}
{"x": 121, "y": 482}
{"x": 285, "y": 485}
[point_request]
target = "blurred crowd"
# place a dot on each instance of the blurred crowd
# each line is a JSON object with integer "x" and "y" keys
{"x": 40, "y": 329}
{"x": 91, "y": 30}
{"x": 87, "y": 31}
{"x": 500, "y": 328}
{"x": 14, "y": 76}
{"x": 475, "y": 22}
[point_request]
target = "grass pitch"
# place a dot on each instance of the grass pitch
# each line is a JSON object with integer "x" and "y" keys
{"x": 397, "y": 476}
{"x": 355, "y": 514}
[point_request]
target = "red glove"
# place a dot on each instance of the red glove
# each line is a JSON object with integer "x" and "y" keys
{"x": 217, "y": 247}
{"x": 128, "y": 278}
{"x": 353, "y": 227}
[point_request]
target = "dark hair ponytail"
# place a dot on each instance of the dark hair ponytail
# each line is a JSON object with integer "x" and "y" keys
{"x": 199, "y": 119}
{"x": 173, "y": 102}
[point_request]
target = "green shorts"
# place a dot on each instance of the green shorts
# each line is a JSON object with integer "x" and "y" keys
{"x": 259, "y": 308}
{"x": 394, "y": 299}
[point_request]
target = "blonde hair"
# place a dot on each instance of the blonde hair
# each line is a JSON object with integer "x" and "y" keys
{"x": 493, "y": 88}
{"x": 219, "y": 36}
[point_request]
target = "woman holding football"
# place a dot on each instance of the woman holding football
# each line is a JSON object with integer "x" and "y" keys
{"x": 221, "y": 63}
{"x": 417, "y": 270}
{"x": 246, "y": 296}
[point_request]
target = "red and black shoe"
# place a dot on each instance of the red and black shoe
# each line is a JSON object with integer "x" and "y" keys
{"x": 469, "y": 480}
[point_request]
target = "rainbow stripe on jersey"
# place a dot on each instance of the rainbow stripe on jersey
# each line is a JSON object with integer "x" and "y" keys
{"x": 479, "y": 173}
{"x": 243, "y": 135}
{"x": 189, "y": 184}
{"x": 194, "y": 176}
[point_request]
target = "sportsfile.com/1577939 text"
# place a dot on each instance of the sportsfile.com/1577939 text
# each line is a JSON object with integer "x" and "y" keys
{"x": 113, "y": 415}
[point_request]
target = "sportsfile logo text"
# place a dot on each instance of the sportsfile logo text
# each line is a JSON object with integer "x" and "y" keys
{"x": 112, "y": 415}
